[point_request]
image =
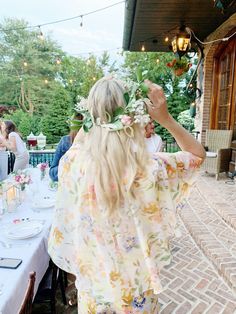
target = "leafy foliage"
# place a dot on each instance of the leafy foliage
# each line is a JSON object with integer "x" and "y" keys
{"x": 54, "y": 122}
{"x": 25, "y": 63}
{"x": 43, "y": 82}
{"x": 24, "y": 121}
{"x": 153, "y": 67}
{"x": 185, "y": 119}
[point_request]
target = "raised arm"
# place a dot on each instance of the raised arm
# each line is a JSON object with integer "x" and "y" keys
{"x": 159, "y": 112}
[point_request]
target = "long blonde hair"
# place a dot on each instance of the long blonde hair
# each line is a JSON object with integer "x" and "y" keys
{"x": 116, "y": 159}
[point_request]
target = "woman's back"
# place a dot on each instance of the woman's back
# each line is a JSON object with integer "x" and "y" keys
{"x": 116, "y": 207}
{"x": 20, "y": 145}
{"x": 122, "y": 253}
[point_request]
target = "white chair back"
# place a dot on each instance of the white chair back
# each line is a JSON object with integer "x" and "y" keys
{"x": 3, "y": 165}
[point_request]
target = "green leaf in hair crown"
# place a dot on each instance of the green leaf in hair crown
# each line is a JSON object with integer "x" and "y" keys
{"x": 134, "y": 110}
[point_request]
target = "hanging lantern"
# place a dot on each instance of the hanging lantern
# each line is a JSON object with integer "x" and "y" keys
{"x": 181, "y": 42}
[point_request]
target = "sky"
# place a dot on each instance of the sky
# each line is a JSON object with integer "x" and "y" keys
{"x": 100, "y": 31}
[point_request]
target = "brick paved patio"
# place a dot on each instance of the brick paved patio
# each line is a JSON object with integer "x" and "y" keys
{"x": 202, "y": 276}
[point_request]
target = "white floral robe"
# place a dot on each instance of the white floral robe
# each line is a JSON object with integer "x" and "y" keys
{"x": 117, "y": 258}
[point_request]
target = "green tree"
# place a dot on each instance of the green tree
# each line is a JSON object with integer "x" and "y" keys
{"x": 78, "y": 75}
{"x": 54, "y": 122}
{"x": 154, "y": 67}
{"x": 24, "y": 122}
{"x": 27, "y": 64}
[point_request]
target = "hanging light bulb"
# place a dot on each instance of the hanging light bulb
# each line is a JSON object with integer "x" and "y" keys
{"x": 58, "y": 61}
{"x": 158, "y": 60}
{"x": 71, "y": 81}
{"x": 25, "y": 64}
{"x": 46, "y": 81}
{"x": 120, "y": 51}
{"x": 81, "y": 22}
{"x": 166, "y": 39}
{"x": 94, "y": 78}
{"x": 142, "y": 46}
{"x": 40, "y": 35}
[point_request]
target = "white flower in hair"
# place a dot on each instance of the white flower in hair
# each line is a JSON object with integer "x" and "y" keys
{"x": 81, "y": 104}
{"x": 134, "y": 110}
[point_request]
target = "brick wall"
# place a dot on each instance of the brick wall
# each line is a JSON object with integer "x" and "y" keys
{"x": 205, "y": 80}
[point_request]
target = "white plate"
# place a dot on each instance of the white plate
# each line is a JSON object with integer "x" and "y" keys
{"x": 45, "y": 202}
{"x": 23, "y": 230}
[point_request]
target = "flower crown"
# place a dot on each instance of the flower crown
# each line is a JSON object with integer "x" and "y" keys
{"x": 134, "y": 111}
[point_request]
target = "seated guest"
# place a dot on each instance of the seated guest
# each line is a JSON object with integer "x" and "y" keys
{"x": 153, "y": 141}
{"x": 63, "y": 146}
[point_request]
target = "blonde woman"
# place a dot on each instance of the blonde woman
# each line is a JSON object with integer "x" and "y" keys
{"x": 116, "y": 206}
{"x": 11, "y": 140}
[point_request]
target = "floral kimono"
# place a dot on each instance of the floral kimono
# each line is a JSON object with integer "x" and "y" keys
{"x": 117, "y": 258}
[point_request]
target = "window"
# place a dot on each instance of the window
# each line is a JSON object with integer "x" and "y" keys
{"x": 224, "y": 88}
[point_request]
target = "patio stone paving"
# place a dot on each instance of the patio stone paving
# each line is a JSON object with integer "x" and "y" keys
{"x": 202, "y": 276}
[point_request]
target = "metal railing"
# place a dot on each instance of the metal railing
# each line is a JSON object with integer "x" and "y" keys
{"x": 170, "y": 145}
{"x": 35, "y": 159}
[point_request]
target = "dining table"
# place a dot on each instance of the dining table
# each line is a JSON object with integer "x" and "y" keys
{"x": 23, "y": 235}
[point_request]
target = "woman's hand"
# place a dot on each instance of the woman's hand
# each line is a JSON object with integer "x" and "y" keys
{"x": 159, "y": 112}
{"x": 158, "y": 107}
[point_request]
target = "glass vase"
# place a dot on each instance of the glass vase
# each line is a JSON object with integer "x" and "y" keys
{"x": 43, "y": 173}
{"x": 22, "y": 194}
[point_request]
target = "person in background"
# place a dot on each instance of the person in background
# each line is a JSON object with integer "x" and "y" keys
{"x": 116, "y": 205}
{"x": 63, "y": 146}
{"x": 12, "y": 141}
{"x": 153, "y": 141}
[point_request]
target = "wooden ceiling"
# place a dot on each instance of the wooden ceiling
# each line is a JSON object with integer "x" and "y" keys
{"x": 150, "y": 21}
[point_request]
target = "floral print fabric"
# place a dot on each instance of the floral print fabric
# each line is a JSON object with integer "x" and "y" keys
{"x": 147, "y": 303}
{"x": 118, "y": 257}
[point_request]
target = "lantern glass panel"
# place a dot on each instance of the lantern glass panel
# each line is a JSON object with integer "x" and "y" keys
{"x": 174, "y": 45}
{"x": 11, "y": 197}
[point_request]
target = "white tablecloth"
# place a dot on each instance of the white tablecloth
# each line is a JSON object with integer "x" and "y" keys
{"x": 33, "y": 252}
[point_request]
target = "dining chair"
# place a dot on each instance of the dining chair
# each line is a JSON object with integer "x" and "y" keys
{"x": 218, "y": 155}
{"x": 46, "y": 292}
{"x": 26, "y": 306}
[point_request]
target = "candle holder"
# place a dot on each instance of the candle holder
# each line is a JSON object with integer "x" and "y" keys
{"x": 11, "y": 197}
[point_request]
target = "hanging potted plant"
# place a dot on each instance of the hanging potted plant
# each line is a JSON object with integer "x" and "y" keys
{"x": 179, "y": 66}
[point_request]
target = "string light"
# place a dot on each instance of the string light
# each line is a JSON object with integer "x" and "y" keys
{"x": 25, "y": 64}
{"x": 63, "y": 20}
{"x": 71, "y": 81}
{"x": 40, "y": 35}
{"x": 212, "y": 41}
{"x": 158, "y": 60}
{"x": 166, "y": 39}
{"x": 81, "y": 23}
{"x": 58, "y": 61}
{"x": 46, "y": 81}
{"x": 94, "y": 78}
{"x": 143, "y": 47}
